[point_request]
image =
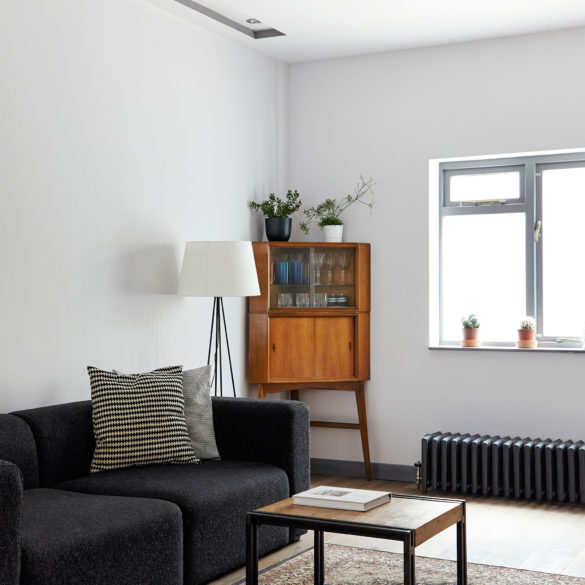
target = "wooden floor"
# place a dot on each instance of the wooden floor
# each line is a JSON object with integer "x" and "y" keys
{"x": 507, "y": 533}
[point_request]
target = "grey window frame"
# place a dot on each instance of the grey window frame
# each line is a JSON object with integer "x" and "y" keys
{"x": 542, "y": 166}
{"x": 530, "y": 203}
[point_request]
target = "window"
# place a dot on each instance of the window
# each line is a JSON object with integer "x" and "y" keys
{"x": 511, "y": 243}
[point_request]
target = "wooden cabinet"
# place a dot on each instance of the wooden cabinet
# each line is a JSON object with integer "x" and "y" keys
{"x": 310, "y": 326}
{"x": 312, "y": 318}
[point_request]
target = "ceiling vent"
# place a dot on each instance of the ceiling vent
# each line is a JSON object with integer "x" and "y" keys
{"x": 254, "y": 31}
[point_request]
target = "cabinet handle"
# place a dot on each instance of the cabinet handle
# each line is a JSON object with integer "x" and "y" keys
{"x": 349, "y": 346}
{"x": 274, "y": 347}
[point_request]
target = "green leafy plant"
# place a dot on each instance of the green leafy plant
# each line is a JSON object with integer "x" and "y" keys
{"x": 329, "y": 220}
{"x": 328, "y": 212}
{"x": 527, "y": 323}
{"x": 470, "y": 322}
{"x": 276, "y": 207}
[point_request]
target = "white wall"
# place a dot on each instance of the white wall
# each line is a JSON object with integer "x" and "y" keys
{"x": 386, "y": 116}
{"x": 124, "y": 132}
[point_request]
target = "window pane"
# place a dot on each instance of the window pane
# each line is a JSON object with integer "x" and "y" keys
{"x": 483, "y": 271}
{"x": 484, "y": 186}
{"x": 563, "y": 213}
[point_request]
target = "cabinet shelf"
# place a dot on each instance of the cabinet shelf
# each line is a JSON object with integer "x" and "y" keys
{"x": 328, "y": 284}
{"x": 312, "y": 311}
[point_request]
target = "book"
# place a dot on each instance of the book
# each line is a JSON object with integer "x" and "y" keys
{"x": 341, "y": 498}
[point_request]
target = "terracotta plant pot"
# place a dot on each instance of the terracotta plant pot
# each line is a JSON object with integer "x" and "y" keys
{"x": 470, "y": 337}
{"x": 526, "y": 338}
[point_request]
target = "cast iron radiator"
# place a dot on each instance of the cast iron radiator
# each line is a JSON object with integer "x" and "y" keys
{"x": 533, "y": 469}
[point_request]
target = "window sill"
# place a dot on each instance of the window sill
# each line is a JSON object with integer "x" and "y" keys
{"x": 509, "y": 348}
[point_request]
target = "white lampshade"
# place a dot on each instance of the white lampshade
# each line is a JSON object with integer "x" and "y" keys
{"x": 219, "y": 269}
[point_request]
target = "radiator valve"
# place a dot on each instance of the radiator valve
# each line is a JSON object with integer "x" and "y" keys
{"x": 418, "y": 466}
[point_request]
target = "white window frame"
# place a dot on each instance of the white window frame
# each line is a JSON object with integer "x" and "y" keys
{"x": 530, "y": 167}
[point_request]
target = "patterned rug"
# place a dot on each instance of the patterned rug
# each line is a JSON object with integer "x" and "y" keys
{"x": 345, "y": 565}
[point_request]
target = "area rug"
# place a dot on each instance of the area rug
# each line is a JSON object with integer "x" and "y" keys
{"x": 346, "y": 565}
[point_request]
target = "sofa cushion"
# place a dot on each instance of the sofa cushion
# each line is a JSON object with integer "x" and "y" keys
{"x": 64, "y": 438}
{"x": 11, "y": 494}
{"x": 82, "y": 539}
{"x": 198, "y": 412}
{"x": 17, "y": 445}
{"x": 214, "y": 498}
{"x": 139, "y": 419}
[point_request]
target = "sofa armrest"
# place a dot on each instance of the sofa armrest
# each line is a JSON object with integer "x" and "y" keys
{"x": 268, "y": 431}
{"x": 11, "y": 492}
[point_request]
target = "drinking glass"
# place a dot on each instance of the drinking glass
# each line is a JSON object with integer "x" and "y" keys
{"x": 285, "y": 300}
{"x": 329, "y": 262}
{"x": 296, "y": 269}
{"x": 320, "y": 299}
{"x": 305, "y": 267}
{"x": 318, "y": 259}
{"x": 342, "y": 262}
{"x": 282, "y": 272}
{"x": 302, "y": 299}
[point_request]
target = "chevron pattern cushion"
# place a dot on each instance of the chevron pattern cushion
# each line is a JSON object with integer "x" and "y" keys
{"x": 139, "y": 419}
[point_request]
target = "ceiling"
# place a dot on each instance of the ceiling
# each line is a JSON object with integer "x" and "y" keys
{"x": 325, "y": 29}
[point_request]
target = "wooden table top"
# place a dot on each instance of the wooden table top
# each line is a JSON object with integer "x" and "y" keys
{"x": 424, "y": 517}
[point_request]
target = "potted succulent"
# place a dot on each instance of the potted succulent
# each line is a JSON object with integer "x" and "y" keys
{"x": 277, "y": 214}
{"x": 527, "y": 333}
{"x": 470, "y": 331}
{"x": 327, "y": 214}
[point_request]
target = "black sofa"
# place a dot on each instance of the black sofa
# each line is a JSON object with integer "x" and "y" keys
{"x": 150, "y": 525}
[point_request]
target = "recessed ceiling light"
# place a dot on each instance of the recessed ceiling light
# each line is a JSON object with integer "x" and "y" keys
{"x": 234, "y": 20}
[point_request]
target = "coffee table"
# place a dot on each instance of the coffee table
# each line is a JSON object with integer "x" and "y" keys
{"x": 410, "y": 519}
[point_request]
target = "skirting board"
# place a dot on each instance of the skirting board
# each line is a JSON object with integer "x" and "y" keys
{"x": 387, "y": 471}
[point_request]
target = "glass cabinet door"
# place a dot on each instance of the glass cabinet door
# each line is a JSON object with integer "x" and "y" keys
{"x": 312, "y": 277}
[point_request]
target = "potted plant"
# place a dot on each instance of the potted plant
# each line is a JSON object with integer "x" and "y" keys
{"x": 527, "y": 333}
{"x": 327, "y": 214}
{"x": 277, "y": 214}
{"x": 470, "y": 331}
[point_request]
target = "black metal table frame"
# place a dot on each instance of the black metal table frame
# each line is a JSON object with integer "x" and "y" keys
{"x": 321, "y": 525}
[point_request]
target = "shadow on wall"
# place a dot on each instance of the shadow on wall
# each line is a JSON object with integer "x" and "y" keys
{"x": 151, "y": 270}
{"x": 256, "y": 227}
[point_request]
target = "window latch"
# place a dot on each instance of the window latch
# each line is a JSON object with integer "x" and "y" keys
{"x": 537, "y": 228}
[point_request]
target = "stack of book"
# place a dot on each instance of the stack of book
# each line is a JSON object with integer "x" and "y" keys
{"x": 326, "y": 496}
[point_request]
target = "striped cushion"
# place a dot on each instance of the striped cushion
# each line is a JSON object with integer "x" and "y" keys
{"x": 139, "y": 419}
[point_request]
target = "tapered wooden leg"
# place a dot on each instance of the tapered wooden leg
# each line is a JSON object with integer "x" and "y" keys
{"x": 261, "y": 393}
{"x": 360, "y": 397}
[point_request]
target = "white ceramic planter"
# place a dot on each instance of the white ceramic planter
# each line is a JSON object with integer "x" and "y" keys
{"x": 333, "y": 233}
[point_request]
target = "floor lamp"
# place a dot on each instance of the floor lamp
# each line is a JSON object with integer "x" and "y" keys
{"x": 219, "y": 269}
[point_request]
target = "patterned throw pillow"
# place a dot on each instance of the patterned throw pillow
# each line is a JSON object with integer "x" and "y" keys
{"x": 139, "y": 419}
{"x": 198, "y": 412}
